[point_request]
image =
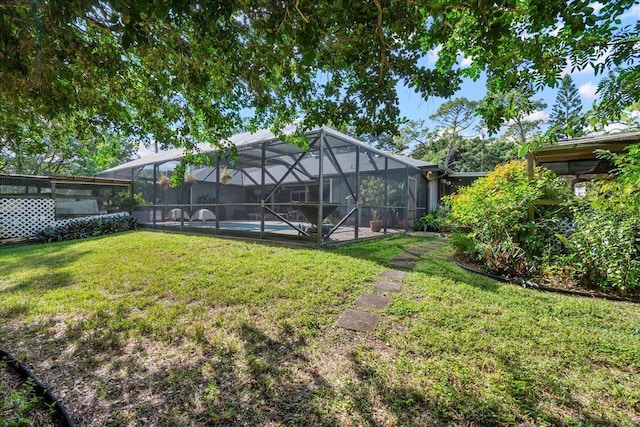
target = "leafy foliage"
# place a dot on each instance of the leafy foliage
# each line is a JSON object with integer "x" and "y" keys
{"x": 432, "y": 221}
{"x": 18, "y": 407}
{"x": 181, "y": 72}
{"x": 484, "y": 154}
{"x": 466, "y": 154}
{"x": 594, "y": 241}
{"x": 494, "y": 212}
{"x": 514, "y": 106}
{"x": 64, "y": 150}
{"x": 92, "y": 226}
{"x": 605, "y": 248}
{"x": 454, "y": 116}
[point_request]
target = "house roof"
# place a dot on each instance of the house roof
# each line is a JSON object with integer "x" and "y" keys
{"x": 578, "y": 156}
{"x": 584, "y": 148}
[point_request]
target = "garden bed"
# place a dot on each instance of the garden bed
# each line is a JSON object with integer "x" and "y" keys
{"x": 570, "y": 289}
{"x": 22, "y": 404}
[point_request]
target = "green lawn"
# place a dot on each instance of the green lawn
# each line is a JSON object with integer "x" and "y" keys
{"x": 147, "y": 328}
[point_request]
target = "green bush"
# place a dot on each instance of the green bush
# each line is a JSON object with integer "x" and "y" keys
{"x": 605, "y": 245}
{"x": 494, "y": 213}
{"x": 80, "y": 228}
{"x": 465, "y": 246}
{"x": 430, "y": 222}
{"x": 594, "y": 241}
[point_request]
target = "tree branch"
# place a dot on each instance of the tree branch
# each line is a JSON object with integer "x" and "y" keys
{"x": 383, "y": 43}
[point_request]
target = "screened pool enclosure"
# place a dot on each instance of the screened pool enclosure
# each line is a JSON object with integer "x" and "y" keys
{"x": 339, "y": 189}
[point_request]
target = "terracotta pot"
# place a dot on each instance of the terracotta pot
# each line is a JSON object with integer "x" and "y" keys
{"x": 376, "y": 225}
{"x": 402, "y": 224}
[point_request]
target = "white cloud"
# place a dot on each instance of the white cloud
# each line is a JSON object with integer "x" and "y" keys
{"x": 464, "y": 61}
{"x": 588, "y": 90}
{"x": 633, "y": 13}
{"x": 432, "y": 55}
{"x": 535, "y": 116}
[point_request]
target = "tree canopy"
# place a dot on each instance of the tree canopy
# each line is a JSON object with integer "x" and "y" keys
{"x": 181, "y": 72}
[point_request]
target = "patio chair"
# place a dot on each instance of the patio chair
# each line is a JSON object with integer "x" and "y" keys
{"x": 174, "y": 215}
{"x": 203, "y": 215}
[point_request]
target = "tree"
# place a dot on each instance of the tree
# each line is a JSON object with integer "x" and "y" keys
{"x": 515, "y": 106}
{"x": 184, "y": 71}
{"x": 63, "y": 148}
{"x": 454, "y": 116}
{"x": 471, "y": 154}
{"x": 484, "y": 154}
{"x": 430, "y": 147}
{"x": 566, "y": 118}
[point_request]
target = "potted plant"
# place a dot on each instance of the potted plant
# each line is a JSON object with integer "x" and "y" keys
{"x": 225, "y": 176}
{"x": 372, "y": 193}
{"x": 189, "y": 178}
{"x": 164, "y": 181}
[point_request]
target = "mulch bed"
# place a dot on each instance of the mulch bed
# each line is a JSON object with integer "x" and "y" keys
{"x": 533, "y": 285}
{"x": 13, "y": 378}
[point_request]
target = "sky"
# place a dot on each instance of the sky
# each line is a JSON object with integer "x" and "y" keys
{"x": 413, "y": 107}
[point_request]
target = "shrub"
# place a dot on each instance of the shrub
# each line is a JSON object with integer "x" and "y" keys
{"x": 605, "y": 245}
{"x": 494, "y": 212}
{"x": 79, "y": 228}
{"x": 429, "y": 222}
{"x": 465, "y": 246}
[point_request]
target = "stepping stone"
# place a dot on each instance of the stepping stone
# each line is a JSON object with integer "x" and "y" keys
{"x": 388, "y": 287}
{"x": 358, "y": 321}
{"x": 403, "y": 265}
{"x": 404, "y": 258}
{"x": 408, "y": 254}
{"x": 418, "y": 252}
{"x": 393, "y": 275}
{"x": 373, "y": 301}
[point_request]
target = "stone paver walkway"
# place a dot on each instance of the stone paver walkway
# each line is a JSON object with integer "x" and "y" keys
{"x": 403, "y": 265}
{"x": 390, "y": 281}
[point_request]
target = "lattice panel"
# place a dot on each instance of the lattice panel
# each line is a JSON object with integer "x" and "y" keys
{"x": 25, "y": 217}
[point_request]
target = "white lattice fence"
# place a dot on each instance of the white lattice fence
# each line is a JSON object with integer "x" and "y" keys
{"x": 25, "y": 217}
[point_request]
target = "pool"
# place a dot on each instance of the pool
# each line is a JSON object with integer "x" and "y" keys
{"x": 244, "y": 226}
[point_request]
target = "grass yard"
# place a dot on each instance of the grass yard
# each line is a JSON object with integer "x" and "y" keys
{"x": 146, "y": 328}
